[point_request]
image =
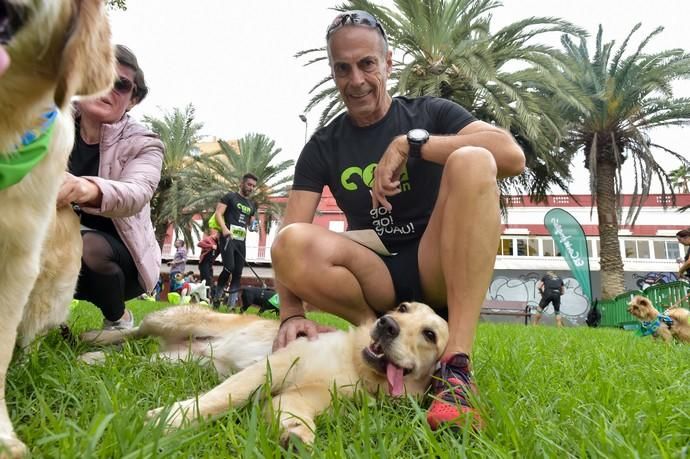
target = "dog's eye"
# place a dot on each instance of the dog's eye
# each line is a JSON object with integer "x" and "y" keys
{"x": 429, "y": 335}
{"x": 402, "y": 308}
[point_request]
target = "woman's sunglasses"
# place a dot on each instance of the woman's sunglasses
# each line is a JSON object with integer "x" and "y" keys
{"x": 123, "y": 86}
{"x": 354, "y": 17}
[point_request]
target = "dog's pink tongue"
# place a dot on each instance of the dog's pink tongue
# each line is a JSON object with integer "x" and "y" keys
{"x": 395, "y": 380}
{"x": 4, "y": 60}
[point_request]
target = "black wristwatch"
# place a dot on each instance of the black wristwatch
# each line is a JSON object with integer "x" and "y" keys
{"x": 415, "y": 139}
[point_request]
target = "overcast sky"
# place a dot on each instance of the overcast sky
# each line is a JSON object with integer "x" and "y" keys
{"x": 234, "y": 59}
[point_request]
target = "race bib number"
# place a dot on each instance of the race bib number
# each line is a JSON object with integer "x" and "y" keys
{"x": 238, "y": 233}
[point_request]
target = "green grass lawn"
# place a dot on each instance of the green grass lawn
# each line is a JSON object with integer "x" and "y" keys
{"x": 545, "y": 392}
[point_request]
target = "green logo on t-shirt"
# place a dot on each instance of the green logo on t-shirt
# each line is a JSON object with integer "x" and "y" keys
{"x": 244, "y": 209}
{"x": 349, "y": 182}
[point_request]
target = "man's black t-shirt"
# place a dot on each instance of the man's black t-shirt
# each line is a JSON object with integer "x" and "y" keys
{"x": 552, "y": 284}
{"x": 238, "y": 212}
{"x": 85, "y": 160}
{"x": 343, "y": 156}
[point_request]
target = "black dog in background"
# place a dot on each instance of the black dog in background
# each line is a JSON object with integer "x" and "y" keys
{"x": 594, "y": 316}
{"x": 260, "y": 297}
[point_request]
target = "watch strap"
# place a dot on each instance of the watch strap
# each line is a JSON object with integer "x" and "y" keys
{"x": 415, "y": 150}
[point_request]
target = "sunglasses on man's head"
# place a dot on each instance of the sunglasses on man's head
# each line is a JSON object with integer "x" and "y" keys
{"x": 356, "y": 18}
{"x": 123, "y": 85}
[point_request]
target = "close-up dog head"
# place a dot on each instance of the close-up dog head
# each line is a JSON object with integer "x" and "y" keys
{"x": 642, "y": 308}
{"x": 62, "y": 47}
{"x": 406, "y": 344}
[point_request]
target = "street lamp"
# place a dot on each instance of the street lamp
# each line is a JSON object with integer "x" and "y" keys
{"x": 303, "y": 117}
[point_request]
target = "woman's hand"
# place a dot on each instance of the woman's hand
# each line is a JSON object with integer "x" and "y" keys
{"x": 78, "y": 190}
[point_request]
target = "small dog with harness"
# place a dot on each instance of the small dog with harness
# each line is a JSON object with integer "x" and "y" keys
{"x": 263, "y": 297}
{"x": 672, "y": 323}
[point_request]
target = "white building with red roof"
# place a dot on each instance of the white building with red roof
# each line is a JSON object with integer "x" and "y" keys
{"x": 649, "y": 248}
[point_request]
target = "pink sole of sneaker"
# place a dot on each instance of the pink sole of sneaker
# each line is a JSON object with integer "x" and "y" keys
{"x": 443, "y": 413}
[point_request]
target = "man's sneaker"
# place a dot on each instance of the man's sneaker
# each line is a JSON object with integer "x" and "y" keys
{"x": 452, "y": 386}
{"x": 124, "y": 323}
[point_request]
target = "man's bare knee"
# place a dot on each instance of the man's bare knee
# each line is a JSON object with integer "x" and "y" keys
{"x": 293, "y": 244}
{"x": 471, "y": 165}
{"x": 288, "y": 239}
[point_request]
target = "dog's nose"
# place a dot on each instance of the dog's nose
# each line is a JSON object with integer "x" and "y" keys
{"x": 387, "y": 327}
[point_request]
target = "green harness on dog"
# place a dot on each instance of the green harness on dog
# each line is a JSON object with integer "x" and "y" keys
{"x": 650, "y": 327}
{"x": 17, "y": 164}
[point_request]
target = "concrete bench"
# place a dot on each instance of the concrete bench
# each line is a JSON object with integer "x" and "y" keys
{"x": 507, "y": 308}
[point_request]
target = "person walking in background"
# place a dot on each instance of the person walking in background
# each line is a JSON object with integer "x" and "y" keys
{"x": 209, "y": 252}
{"x": 551, "y": 288}
{"x": 233, "y": 214}
{"x": 113, "y": 171}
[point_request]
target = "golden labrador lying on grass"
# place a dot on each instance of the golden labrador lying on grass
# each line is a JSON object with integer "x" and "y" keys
{"x": 397, "y": 353}
{"x": 57, "y": 49}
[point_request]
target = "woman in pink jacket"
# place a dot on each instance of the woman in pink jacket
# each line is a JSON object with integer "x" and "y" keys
{"x": 114, "y": 169}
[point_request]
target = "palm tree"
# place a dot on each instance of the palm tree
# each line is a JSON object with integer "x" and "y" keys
{"x": 502, "y": 77}
{"x": 213, "y": 175}
{"x": 117, "y": 4}
{"x": 680, "y": 178}
{"x": 179, "y": 132}
{"x": 629, "y": 95}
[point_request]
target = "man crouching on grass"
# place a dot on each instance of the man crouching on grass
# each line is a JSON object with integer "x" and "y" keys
{"x": 433, "y": 202}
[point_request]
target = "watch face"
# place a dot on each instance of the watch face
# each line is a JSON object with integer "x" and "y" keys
{"x": 418, "y": 135}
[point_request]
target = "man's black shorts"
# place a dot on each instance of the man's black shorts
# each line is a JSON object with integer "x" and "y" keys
{"x": 404, "y": 270}
{"x": 554, "y": 298}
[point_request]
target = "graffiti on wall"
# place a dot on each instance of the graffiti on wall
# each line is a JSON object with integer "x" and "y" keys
{"x": 574, "y": 303}
{"x": 653, "y": 278}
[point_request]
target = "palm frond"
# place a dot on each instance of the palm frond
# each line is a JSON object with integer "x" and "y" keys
{"x": 506, "y": 77}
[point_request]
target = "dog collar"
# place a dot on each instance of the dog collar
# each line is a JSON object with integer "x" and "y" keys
{"x": 16, "y": 164}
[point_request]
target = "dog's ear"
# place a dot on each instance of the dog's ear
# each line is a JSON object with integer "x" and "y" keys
{"x": 87, "y": 66}
{"x": 638, "y": 300}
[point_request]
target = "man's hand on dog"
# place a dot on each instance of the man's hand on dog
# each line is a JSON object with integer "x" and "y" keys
{"x": 78, "y": 190}
{"x": 297, "y": 327}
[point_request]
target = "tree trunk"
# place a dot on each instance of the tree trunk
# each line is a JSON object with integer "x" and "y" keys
{"x": 160, "y": 228}
{"x": 612, "y": 281}
{"x": 161, "y": 231}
